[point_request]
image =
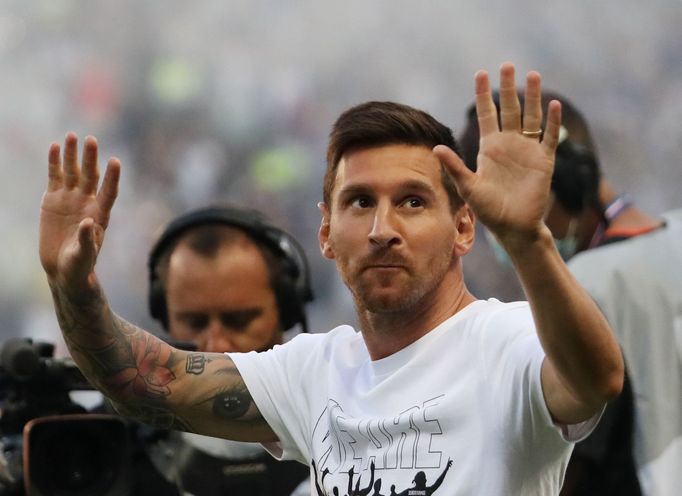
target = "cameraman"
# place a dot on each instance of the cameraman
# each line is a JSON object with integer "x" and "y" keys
{"x": 223, "y": 279}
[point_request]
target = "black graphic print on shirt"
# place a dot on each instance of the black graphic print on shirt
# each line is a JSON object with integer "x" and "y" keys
{"x": 370, "y": 456}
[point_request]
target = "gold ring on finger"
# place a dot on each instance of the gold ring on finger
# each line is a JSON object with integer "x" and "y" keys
{"x": 532, "y": 134}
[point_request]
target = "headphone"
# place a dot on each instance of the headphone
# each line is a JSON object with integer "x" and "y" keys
{"x": 292, "y": 286}
{"x": 575, "y": 181}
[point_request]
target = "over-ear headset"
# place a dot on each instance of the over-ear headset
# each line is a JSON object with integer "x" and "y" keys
{"x": 292, "y": 285}
{"x": 575, "y": 181}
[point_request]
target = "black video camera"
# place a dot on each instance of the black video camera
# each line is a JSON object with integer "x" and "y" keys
{"x": 49, "y": 444}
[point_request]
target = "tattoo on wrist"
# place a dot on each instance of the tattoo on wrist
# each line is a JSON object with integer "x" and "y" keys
{"x": 78, "y": 319}
{"x": 196, "y": 363}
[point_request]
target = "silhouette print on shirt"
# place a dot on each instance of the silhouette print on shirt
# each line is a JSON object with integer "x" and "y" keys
{"x": 419, "y": 489}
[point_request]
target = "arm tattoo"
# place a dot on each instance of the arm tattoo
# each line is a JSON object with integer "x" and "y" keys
{"x": 233, "y": 400}
{"x": 138, "y": 371}
{"x": 232, "y": 404}
{"x": 146, "y": 371}
{"x": 132, "y": 367}
{"x": 236, "y": 401}
{"x": 196, "y": 362}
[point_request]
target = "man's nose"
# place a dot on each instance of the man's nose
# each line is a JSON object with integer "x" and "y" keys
{"x": 218, "y": 338}
{"x": 385, "y": 230}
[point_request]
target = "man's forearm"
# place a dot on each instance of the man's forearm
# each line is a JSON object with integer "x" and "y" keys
{"x": 84, "y": 316}
{"x": 130, "y": 366}
{"x": 148, "y": 379}
{"x": 574, "y": 334}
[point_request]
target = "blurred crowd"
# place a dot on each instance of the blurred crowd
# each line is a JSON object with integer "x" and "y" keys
{"x": 232, "y": 101}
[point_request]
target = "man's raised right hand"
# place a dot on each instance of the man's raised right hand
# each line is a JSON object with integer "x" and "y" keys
{"x": 75, "y": 213}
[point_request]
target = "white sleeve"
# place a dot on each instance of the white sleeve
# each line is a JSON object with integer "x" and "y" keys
{"x": 515, "y": 359}
{"x": 569, "y": 432}
{"x": 274, "y": 379}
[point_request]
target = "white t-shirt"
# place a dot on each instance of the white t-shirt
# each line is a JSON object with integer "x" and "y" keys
{"x": 468, "y": 391}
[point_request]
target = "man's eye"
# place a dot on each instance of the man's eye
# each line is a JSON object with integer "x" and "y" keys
{"x": 236, "y": 323}
{"x": 413, "y": 202}
{"x": 197, "y": 323}
{"x": 361, "y": 202}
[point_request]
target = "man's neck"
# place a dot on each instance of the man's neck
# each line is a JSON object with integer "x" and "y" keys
{"x": 388, "y": 333}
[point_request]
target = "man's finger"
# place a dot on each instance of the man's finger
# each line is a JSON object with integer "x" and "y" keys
{"x": 454, "y": 165}
{"x": 550, "y": 139}
{"x": 109, "y": 190}
{"x": 55, "y": 177}
{"x": 90, "y": 171}
{"x": 485, "y": 107}
{"x": 70, "y": 165}
{"x": 87, "y": 249}
{"x": 532, "y": 108}
{"x": 510, "y": 108}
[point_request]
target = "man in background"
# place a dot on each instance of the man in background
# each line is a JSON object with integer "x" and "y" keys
{"x": 629, "y": 261}
{"x": 223, "y": 279}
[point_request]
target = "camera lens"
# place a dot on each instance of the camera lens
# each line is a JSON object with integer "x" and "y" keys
{"x": 79, "y": 463}
{"x": 78, "y": 455}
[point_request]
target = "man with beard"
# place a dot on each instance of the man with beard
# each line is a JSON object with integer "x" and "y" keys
{"x": 197, "y": 260}
{"x": 500, "y": 391}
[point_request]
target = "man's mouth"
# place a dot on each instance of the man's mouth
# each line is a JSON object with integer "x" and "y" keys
{"x": 384, "y": 266}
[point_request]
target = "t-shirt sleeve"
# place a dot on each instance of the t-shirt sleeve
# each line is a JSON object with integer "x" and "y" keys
{"x": 274, "y": 379}
{"x": 514, "y": 360}
{"x": 569, "y": 432}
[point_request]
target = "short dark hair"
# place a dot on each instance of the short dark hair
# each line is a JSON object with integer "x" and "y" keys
{"x": 374, "y": 124}
{"x": 206, "y": 240}
{"x": 207, "y": 229}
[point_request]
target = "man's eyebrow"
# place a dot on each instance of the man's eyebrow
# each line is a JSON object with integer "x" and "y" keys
{"x": 190, "y": 313}
{"x": 417, "y": 185}
{"x": 409, "y": 185}
{"x": 355, "y": 189}
{"x": 244, "y": 312}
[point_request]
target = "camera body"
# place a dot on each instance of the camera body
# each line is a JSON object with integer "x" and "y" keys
{"x": 50, "y": 444}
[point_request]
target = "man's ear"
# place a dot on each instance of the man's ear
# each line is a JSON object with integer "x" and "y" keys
{"x": 323, "y": 233}
{"x": 465, "y": 222}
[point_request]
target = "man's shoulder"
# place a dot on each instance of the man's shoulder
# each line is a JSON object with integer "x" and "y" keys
{"x": 343, "y": 335}
{"x": 646, "y": 250}
{"x": 341, "y": 332}
{"x": 501, "y": 321}
{"x": 493, "y": 308}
